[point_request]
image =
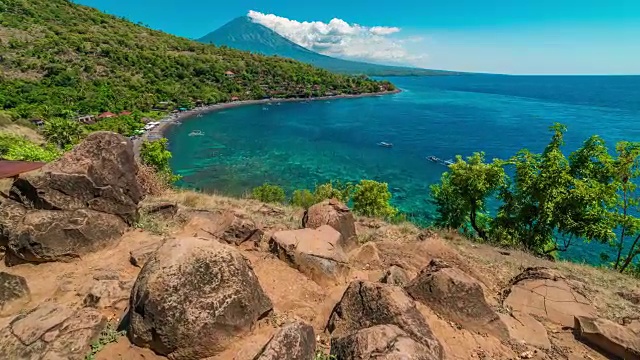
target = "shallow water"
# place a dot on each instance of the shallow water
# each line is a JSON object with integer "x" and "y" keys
{"x": 297, "y": 145}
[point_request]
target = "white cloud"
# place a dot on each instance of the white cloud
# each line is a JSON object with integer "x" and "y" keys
{"x": 341, "y": 39}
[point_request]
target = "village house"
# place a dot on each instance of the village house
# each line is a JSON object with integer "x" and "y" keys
{"x": 37, "y": 122}
{"x": 86, "y": 119}
{"x": 106, "y": 115}
{"x": 125, "y": 113}
{"x": 229, "y": 74}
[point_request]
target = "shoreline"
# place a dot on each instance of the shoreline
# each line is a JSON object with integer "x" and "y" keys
{"x": 171, "y": 119}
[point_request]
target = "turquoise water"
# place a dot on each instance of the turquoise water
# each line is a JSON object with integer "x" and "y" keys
{"x": 297, "y": 145}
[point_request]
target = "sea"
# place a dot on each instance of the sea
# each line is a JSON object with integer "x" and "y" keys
{"x": 299, "y": 145}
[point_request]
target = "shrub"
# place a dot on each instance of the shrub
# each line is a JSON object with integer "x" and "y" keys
{"x": 303, "y": 198}
{"x": 372, "y": 198}
{"x": 333, "y": 190}
{"x": 269, "y": 193}
{"x": 19, "y": 148}
{"x": 156, "y": 155}
{"x": 62, "y": 132}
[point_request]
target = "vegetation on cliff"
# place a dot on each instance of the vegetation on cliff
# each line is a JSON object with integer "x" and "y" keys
{"x": 546, "y": 201}
{"x": 60, "y": 59}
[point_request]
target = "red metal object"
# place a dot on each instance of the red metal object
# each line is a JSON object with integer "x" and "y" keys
{"x": 9, "y": 169}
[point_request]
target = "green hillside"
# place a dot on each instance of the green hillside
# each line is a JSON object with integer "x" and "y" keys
{"x": 243, "y": 34}
{"x": 58, "y": 59}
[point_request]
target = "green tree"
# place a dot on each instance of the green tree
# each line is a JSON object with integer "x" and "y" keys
{"x": 461, "y": 197}
{"x": 334, "y": 190}
{"x": 269, "y": 193}
{"x": 156, "y": 155}
{"x": 303, "y": 198}
{"x": 62, "y": 132}
{"x": 372, "y": 198}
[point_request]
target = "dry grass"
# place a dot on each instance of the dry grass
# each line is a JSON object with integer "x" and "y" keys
{"x": 150, "y": 182}
{"x": 28, "y": 133}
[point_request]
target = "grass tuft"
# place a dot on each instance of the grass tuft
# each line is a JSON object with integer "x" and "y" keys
{"x": 109, "y": 335}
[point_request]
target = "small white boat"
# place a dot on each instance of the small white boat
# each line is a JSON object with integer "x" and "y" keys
{"x": 385, "y": 144}
{"x": 199, "y": 115}
{"x": 265, "y": 108}
{"x": 196, "y": 133}
{"x": 279, "y": 104}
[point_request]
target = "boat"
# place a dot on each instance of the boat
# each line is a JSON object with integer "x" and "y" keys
{"x": 437, "y": 160}
{"x": 265, "y": 108}
{"x": 448, "y": 162}
{"x": 196, "y": 133}
{"x": 279, "y": 104}
{"x": 177, "y": 123}
{"x": 385, "y": 144}
{"x": 199, "y": 115}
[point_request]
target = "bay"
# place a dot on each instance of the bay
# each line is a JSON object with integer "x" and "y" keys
{"x": 297, "y": 145}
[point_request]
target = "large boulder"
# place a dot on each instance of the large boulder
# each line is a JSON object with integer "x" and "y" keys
{"x": 609, "y": 337}
{"x": 545, "y": 293}
{"x": 457, "y": 297}
{"x": 13, "y": 288}
{"x": 380, "y": 342}
{"x": 314, "y": 253}
{"x": 395, "y": 275}
{"x": 78, "y": 204}
{"x": 366, "y": 304}
{"x": 51, "y": 331}
{"x": 98, "y": 174}
{"x": 295, "y": 341}
{"x": 193, "y": 297}
{"x": 47, "y": 235}
{"x": 525, "y": 328}
{"x": 337, "y": 215}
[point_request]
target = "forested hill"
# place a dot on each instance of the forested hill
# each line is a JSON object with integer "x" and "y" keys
{"x": 58, "y": 58}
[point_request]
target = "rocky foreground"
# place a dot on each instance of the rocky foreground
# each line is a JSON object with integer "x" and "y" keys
{"x": 206, "y": 277}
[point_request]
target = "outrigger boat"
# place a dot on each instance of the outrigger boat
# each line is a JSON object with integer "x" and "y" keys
{"x": 196, "y": 133}
{"x": 385, "y": 144}
{"x": 437, "y": 160}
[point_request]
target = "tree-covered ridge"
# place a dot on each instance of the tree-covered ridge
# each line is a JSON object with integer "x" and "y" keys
{"x": 58, "y": 59}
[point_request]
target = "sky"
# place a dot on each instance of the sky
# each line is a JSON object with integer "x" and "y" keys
{"x": 493, "y": 36}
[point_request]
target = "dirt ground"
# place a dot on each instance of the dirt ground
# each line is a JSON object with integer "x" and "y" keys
{"x": 294, "y": 296}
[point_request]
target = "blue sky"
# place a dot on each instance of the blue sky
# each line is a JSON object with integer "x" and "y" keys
{"x": 499, "y": 36}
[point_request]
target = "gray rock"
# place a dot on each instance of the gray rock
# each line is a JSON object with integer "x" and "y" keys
{"x": 295, "y": 341}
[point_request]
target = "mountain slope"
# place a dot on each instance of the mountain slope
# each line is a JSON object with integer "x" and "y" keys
{"x": 243, "y": 34}
{"x": 58, "y": 58}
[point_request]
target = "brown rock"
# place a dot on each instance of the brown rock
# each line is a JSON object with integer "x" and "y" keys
{"x": 314, "y": 253}
{"x": 12, "y": 289}
{"x": 193, "y": 297}
{"x": 395, "y": 275}
{"x": 44, "y": 235}
{"x": 51, "y": 331}
{"x": 98, "y": 174}
{"x": 139, "y": 256}
{"x": 337, "y": 215}
{"x": 383, "y": 342}
{"x": 545, "y": 293}
{"x": 164, "y": 209}
{"x": 367, "y": 304}
{"x": 609, "y": 337}
{"x": 523, "y": 327}
{"x": 107, "y": 294}
{"x": 457, "y": 297}
{"x": 295, "y": 341}
{"x": 633, "y": 296}
{"x": 231, "y": 227}
{"x": 366, "y": 256}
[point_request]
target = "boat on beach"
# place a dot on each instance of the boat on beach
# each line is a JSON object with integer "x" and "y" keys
{"x": 196, "y": 133}
{"x": 385, "y": 144}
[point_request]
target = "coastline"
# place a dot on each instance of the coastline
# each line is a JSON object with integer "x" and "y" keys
{"x": 169, "y": 120}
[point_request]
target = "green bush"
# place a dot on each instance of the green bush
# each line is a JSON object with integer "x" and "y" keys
{"x": 303, "y": 198}
{"x": 62, "y": 132}
{"x": 333, "y": 190}
{"x": 372, "y": 198}
{"x": 269, "y": 193}
{"x": 156, "y": 155}
{"x": 18, "y": 148}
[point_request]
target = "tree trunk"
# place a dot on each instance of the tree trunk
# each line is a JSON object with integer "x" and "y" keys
{"x": 631, "y": 255}
{"x": 481, "y": 233}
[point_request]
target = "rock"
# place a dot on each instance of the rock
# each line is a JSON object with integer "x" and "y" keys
{"x": 51, "y": 331}
{"x": 337, "y": 215}
{"x": 107, "y": 294}
{"x": 609, "y": 337}
{"x": 382, "y": 342}
{"x": 366, "y": 304}
{"x": 193, "y": 297}
{"x": 44, "y": 235}
{"x": 523, "y": 327}
{"x": 395, "y": 275}
{"x": 295, "y": 341}
{"x": 367, "y": 256}
{"x": 633, "y": 296}
{"x": 98, "y": 174}
{"x": 230, "y": 227}
{"x": 457, "y": 297}
{"x": 138, "y": 257}
{"x": 164, "y": 209}
{"x": 12, "y": 289}
{"x": 545, "y": 293}
{"x": 314, "y": 253}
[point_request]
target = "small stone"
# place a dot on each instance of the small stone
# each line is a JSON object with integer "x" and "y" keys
{"x": 12, "y": 288}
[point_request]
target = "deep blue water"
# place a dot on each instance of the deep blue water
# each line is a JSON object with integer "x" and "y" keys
{"x": 297, "y": 145}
